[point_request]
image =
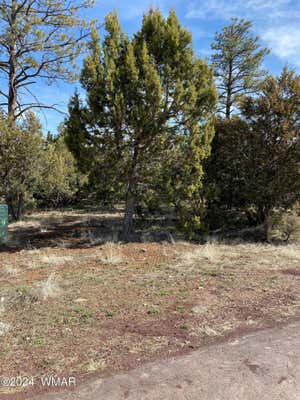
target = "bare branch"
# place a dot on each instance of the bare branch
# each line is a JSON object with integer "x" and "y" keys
{"x": 40, "y": 106}
{"x": 3, "y": 94}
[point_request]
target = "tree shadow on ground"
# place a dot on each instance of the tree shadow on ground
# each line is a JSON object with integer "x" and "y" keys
{"x": 81, "y": 230}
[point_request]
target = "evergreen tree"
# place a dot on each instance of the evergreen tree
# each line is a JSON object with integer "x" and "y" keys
{"x": 149, "y": 106}
{"x": 272, "y": 162}
{"x": 58, "y": 175}
{"x": 255, "y": 159}
{"x": 20, "y": 151}
{"x": 237, "y": 58}
{"x": 224, "y": 185}
{"x": 39, "y": 39}
{"x": 75, "y": 133}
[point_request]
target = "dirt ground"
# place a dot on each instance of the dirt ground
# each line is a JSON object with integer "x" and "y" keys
{"x": 264, "y": 365}
{"x": 74, "y": 302}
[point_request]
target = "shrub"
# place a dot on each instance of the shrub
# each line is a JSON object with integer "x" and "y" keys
{"x": 283, "y": 226}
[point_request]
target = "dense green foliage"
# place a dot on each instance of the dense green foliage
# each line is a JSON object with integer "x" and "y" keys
{"x": 255, "y": 163}
{"x": 32, "y": 170}
{"x": 148, "y": 125}
{"x": 148, "y": 134}
{"x": 20, "y": 152}
{"x": 59, "y": 179}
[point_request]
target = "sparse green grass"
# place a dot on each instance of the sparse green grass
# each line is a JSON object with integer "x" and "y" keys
{"x": 152, "y": 311}
{"x": 39, "y": 341}
{"x": 83, "y": 313}
{"x": 161, "y": 293}
{"x": 109, "y": 314}
{"x": 210, "y": 272}
{"x": 70, "y": 320}
{"x": 23, "y": 289}
{"x": 180, "y": 309}
{"x": 184, "y": 327}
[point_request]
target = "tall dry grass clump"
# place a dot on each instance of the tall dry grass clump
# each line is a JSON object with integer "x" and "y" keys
{"x": 50, "y": 287}
{"x": 111, "y": 254}
{"x": 210, "y": 252}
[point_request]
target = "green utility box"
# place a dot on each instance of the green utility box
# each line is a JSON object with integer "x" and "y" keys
{"x": 3, "y": 223}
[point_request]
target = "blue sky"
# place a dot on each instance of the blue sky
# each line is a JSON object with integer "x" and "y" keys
{"x": 277, "y": 22}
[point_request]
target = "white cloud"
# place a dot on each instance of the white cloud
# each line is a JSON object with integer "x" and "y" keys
{"x": 258, "y": 9}
{"x": 276, "y": 21}
{"x": 210, "y": 9}
{"x": 284, "y": 42}
{"x": 262, "y": 4}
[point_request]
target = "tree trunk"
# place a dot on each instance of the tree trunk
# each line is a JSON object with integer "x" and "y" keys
{"x": 12, "y": 77}
{"x": 229, "y": 92}
{"x": 20, "y": 206}
{"x": 128, "y": 217}
{"x": 11, "y": 209}
{"x": 16, "y": 206}
{"x": 228, "y": 110}
{"x": 130, "y": 197}
{"x": 12, "y": 96}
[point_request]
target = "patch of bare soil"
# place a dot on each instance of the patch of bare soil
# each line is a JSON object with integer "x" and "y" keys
{"x": 85, "y": 308}
{"x": 292, "y": 271}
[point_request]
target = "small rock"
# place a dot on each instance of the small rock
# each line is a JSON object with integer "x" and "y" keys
{"x": 80, "y": 300}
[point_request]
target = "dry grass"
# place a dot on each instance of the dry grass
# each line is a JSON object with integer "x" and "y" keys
{"x": 98, "y": 238}
{"x": 55, "y": 260}
{"x": 289, "y": 251}
{"x": 113, "y": 306}
{"x": 208, "y": 253}
{"x": 2, "y": 306}
{"x": 50, "y": 287}
{"x": 41, "y": 258}
{"x": 95, "y": 365}
{"x": 4, "y": 328}
{"x": 219, "y": 254}
{"x": 12, "y": 271}
{"x": 110, "y": 254}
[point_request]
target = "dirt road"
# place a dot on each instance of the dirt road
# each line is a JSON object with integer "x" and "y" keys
{"x": 264, "y": 365}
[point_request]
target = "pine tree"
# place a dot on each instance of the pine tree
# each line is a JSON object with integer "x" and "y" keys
{"x": 39, "y": 39}
{"x": 237, "y": 58}
{"x": 149, "y": 103}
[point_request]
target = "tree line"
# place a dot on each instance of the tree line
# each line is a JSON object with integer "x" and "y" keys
{"x": 160, "y": 130}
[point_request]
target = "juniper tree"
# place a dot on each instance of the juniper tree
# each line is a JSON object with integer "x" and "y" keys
{"x": 75, "y": 133}
{"x": 58, "y": 175}
{"x": 237, "y": 58}
{"x": 20, "y": 152}
{"x": 272, "y": 165}
{"x": 149, "y": 105}
{"x": 255, "y": 159}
